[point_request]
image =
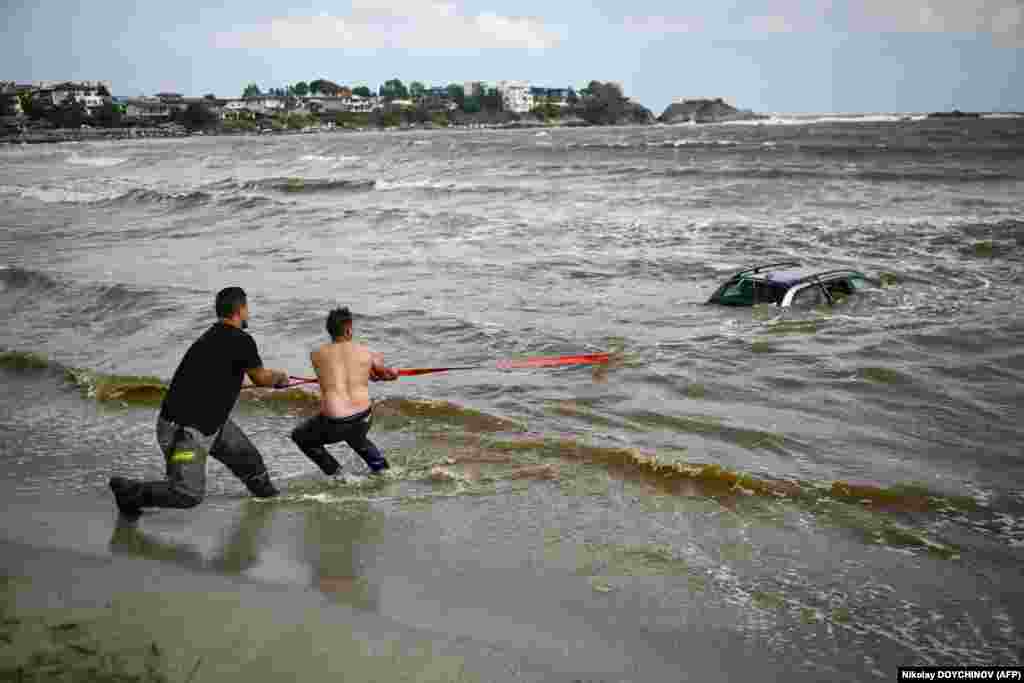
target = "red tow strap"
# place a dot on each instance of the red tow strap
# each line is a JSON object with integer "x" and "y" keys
{"x": 534, "y": 362}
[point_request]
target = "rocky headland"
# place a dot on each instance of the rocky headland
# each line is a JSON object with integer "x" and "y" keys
{"x": 706, "y": 111}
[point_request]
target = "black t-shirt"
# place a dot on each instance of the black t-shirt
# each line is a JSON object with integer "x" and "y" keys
{"x": 206, "y": 384}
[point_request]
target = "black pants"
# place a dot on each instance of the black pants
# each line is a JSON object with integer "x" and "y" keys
{"x": 313, "y": 434}
{"x": 185, "y": 450}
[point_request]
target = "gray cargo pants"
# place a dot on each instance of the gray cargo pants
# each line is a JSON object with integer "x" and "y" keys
{"x": 185, "y": 451}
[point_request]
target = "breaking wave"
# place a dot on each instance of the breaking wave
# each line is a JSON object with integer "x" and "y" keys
{"x": 98, "y": 162}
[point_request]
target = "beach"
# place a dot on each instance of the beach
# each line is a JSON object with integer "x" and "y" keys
{"x": 806, "y": 494}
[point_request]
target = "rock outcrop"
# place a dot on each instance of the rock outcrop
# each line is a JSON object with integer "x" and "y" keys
{"x": 706, "y": 111}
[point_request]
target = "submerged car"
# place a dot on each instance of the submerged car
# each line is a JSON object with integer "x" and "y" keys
{"x": 788, "y": 283}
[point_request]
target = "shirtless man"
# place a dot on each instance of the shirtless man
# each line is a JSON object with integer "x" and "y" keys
{"x": 344, "y": 369}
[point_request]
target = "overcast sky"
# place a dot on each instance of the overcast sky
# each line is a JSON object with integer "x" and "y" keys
{"x": 766, "y": 55}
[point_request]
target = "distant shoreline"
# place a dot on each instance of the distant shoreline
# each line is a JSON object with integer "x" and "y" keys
{"x": 64, "y": 135}
{"x": 59, "y": 135}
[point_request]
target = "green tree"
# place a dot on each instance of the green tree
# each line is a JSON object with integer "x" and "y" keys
{"x": 251, "y": 90}
{"x": 394, "y": 90}
{"x": 416, "y": 90}
{"x": 26, "y": 104}
{"x": 604, "y": 103}
{"x": 297, "y": 121}
{"x": 322, "y": 86}
{"x": 362, "y": 91}
{"x": 350, "y": 119}
{"x": 471, "y": 105}
{"x": 301, "y": 88}
{"x": 457, "y": 93}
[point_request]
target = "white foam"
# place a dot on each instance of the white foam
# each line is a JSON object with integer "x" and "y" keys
{"x": 324, "y": 159}
{"x": 97, "y": 162}
{"x": 805, "y": 119}
{"x": 423, "y": 184}
{"x": 61, "y": 195}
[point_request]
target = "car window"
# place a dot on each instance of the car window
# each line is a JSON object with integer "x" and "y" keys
{"x": 858, "y": 283}
{"x": 811, "y": 295}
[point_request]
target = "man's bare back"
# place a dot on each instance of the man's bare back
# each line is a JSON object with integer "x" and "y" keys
{"x": 343, "y": 368}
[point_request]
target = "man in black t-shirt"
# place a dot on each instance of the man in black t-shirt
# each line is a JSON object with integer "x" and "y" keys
{"x": 194, "y": 417}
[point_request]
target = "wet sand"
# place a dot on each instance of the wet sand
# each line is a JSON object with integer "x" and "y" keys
{"x": 237, "y": 587}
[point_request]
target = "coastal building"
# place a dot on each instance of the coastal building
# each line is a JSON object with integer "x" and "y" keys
{"x": 474, "y": 88}
{"x": 360, "y": 104}
{"x": 91, "y": 94}
{"x": 556, "y": 96}
{"x": 148, "y": 109}
{"x": 236, "y": 110}
{"x": 267, "y": 105}
{"x": 335, "y": 105}
{"x": 515, "y": 96}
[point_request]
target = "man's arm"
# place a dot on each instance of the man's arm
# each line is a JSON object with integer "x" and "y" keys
{"x": 265, "y": 377}
{"x": 379, "y": 372}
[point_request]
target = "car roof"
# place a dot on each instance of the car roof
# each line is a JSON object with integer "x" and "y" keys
{"x": 785, "y": 277}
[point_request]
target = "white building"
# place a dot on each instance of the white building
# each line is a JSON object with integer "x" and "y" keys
{"x": 89, "y": 93}
{"x": 148, "y": 109}
{"x": 515, "y": 96}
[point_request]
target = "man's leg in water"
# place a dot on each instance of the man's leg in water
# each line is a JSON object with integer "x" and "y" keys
{"x": 311, "y": 436}
{"x": 233, "y": 448}
{"x": 185, "y": 450}
{"x": 355, "y": 437}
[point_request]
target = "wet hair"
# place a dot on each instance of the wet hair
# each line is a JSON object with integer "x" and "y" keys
{"x": 337, "y": 320}
{"x": 229, "y": 301}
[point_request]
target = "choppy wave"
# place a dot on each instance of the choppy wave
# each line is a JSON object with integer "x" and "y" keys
{"x": 15, "y": 278}
{"x": 94, "y": 304}
{"x": 941, "y": 175}
{"x": 144, "y": 196}
{"x": 302, "y": 185}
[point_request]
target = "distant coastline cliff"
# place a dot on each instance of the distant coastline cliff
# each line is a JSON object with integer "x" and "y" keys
{"x": 706, "y": 110}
